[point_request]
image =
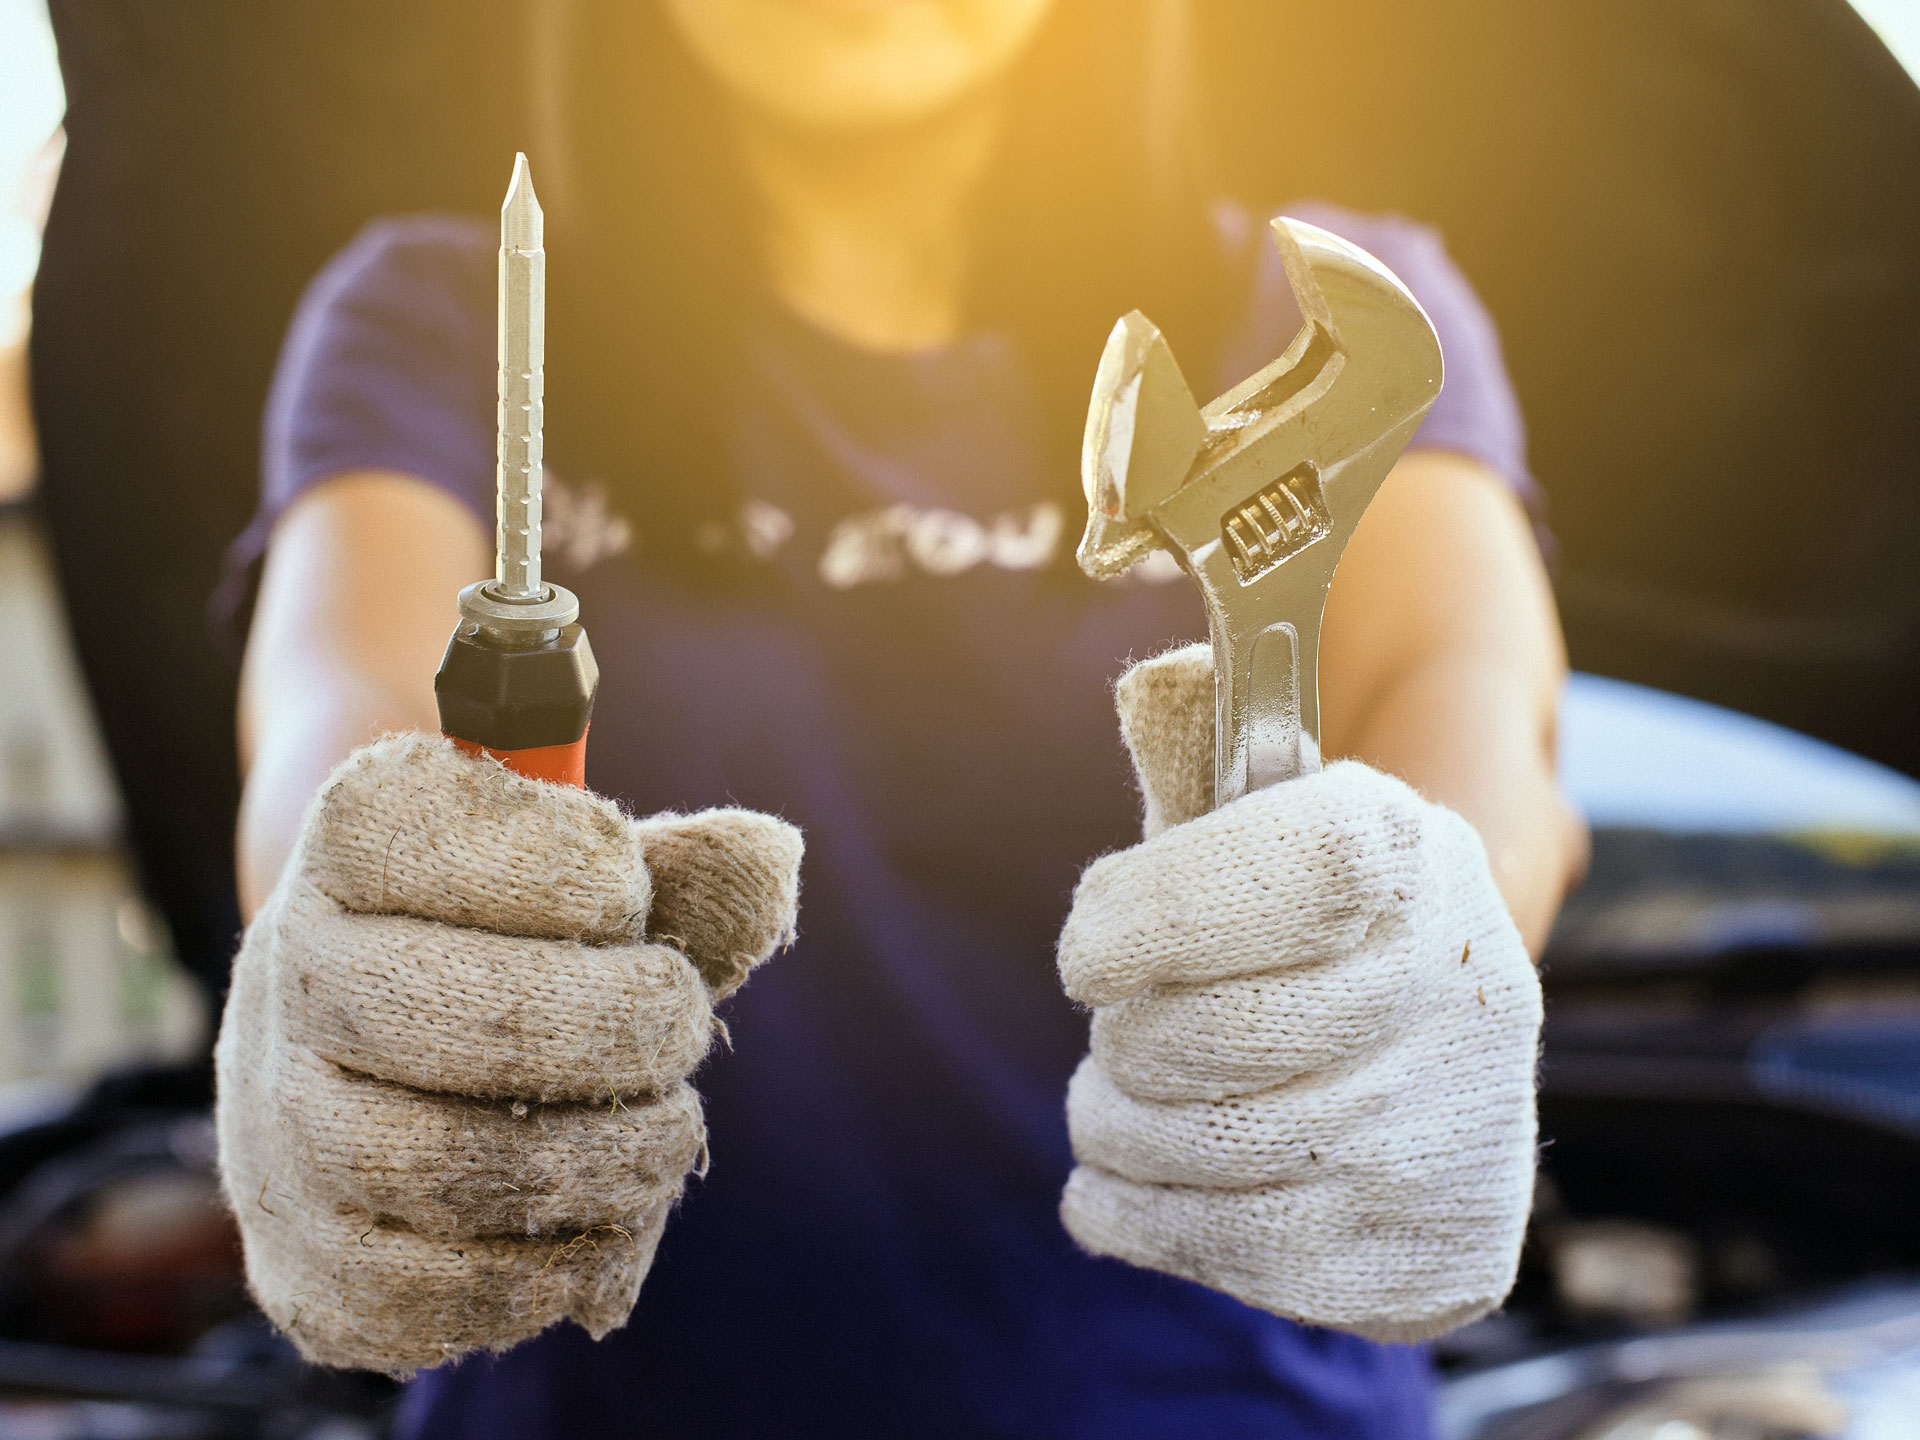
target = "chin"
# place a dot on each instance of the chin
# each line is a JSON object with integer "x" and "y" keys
{"x": 865, "y": 103}
{"x": 850, "y": 65}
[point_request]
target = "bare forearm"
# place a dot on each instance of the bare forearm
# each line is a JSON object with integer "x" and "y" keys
{"x": 1466, "y": 732}
{"x": 336, "y": 714}
{"x": 1443, "y": 664}
{"x": 355, "y": 607}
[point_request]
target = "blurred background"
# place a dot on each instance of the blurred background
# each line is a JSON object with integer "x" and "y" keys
{"x": 1698, "y": 224}
{"x": 90, "y": 980}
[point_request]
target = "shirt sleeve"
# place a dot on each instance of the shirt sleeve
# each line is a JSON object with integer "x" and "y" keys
{"x": 1478, "y": 413}
{"x": 387, "y": 365}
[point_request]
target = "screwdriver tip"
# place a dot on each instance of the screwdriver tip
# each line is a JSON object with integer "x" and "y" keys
{"x": 522, "y": 223}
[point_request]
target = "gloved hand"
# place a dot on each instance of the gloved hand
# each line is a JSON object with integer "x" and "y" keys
{"x": 1314, "y": 1034}
{"x": 452, "y": 1096}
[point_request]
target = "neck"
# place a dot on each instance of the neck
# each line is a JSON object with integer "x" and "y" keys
{"x": 867, "y": 238}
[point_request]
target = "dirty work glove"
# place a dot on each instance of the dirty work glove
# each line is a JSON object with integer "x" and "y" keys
{"x": 452, "y": 1097}
{"x": 1314, "y": 1032}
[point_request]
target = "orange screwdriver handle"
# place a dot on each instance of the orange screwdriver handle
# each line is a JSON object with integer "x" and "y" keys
{"x": 528, "y": 706}
{"x": 560, "y": 764}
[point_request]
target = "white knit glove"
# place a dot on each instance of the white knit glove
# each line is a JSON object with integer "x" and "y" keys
{"x": 452, "y": 1101}
{"x": 1314, "y": 1034}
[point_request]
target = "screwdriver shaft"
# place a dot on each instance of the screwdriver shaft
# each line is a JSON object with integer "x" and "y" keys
{"x": 522, "y": 388}
{"x": 518, "y": 678}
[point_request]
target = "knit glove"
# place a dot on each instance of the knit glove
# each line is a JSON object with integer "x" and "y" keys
{"x": 1314, "y": 1032}
{"x": 452, "y": 1103}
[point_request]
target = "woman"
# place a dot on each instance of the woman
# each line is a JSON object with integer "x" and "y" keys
{"x": 829, "y": 278}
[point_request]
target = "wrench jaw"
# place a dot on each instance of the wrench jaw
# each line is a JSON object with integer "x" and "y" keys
{"x": 1143, "y": 431}
{"x": 1258, "y": 494}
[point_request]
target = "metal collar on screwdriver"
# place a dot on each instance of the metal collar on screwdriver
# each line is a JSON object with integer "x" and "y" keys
{"x": 523, "y": 621}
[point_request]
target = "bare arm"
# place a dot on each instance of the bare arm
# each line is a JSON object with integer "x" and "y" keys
{"x": 1441, "y": 658}
{"x": 356, "y": 604}
{"x": 1442, "y": 662}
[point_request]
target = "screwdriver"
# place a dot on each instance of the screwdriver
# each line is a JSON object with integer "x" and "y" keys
{"x": 518, "y": 679}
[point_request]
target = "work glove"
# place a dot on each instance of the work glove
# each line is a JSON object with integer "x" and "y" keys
{"x": 1311, "y": 1080}
{"x": 452, "y": 1103}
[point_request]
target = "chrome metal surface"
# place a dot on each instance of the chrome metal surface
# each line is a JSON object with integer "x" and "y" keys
{"x": 516, "y": 606}
{"x": 522, "y": 387}
{"x": 1257, "y": 494}
{"x": 554, "y": 607}
{"x": 1865, "y": 1343}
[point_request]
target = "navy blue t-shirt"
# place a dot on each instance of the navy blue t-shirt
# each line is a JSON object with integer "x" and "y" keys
{"x": 923, "y": 684}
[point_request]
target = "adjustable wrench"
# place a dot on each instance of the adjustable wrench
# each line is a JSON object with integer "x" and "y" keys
{"x": 1257, "y": 494}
